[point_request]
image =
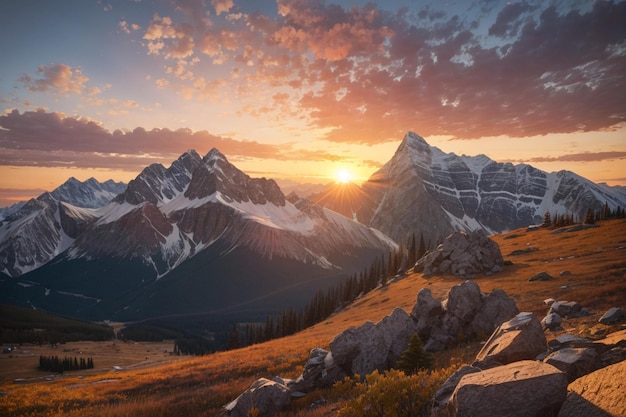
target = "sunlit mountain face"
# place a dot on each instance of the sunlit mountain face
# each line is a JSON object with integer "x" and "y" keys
{"x": 342, "y": 197}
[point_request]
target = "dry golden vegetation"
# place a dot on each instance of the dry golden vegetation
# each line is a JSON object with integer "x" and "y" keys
{"x": 154, "y": 383}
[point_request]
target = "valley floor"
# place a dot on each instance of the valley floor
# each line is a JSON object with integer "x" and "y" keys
{"x": 152, "y": 382}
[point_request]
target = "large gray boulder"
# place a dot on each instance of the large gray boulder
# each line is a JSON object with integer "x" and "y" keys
{"x": 264, "y": 395}
{"x": 524, "y": 389}
{"x": 361, "y": 350}
{"x": 444, "y": 392}
{"x": 518, "y": 339}
{"x": 463, "y": 254}
{"x": 463, "y": 302}
{"x": 496, "y": 308}
{"x": 427, "y": 312}
{"x": 599, "y": 394}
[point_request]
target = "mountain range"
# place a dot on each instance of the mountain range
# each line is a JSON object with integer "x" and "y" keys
{"x": 424, "y": 191}
{"x": 198, "y": 237}
{"x": 202, "y": 237}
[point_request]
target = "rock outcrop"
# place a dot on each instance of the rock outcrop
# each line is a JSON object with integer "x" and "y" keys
{"x": 516, "y": 373}
{"x": 372, "y": 346}
{"x": 463, "y": 254}
{"x": 466, "y": 313}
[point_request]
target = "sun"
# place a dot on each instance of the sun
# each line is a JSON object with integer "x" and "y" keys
{"x": 343, "y": 176}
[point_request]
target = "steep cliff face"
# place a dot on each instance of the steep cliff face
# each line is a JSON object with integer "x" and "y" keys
{"x": 425, "y": 191}
{"x": 40, "y": 230}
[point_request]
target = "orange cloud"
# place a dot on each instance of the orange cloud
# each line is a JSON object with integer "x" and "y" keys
{"x": 59, "y": 78}
{"x": 222, "y": 6}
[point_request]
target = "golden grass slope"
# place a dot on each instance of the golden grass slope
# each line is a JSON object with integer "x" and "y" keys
{"x": 199, "y": 386}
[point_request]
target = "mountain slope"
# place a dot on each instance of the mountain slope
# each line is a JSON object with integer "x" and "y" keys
{"x": 42, "y": 228}
{"x": 423, "y": 190}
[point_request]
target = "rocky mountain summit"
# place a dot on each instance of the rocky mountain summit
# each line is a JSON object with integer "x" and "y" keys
{"x": 423, "y": 191}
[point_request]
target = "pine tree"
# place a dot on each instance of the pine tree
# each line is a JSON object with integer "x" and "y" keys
{"x": 422, "y": 248}
{"x": 547, "y": 220}
{"x": 414, "y": 358}
{"x": 411, "y": 256}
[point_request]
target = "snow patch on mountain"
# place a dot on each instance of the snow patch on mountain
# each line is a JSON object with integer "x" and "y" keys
{"x": 113, "y": 212}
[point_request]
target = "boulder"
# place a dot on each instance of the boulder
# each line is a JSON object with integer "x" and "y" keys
{"x": 551, "y": 321}
{"x": 444, "y": 392}
{"x": 542, "y": 276}
{"x": 427, "y": 312}
{"x": 496, "y": 308}
{"x": 600, "y": 393}
{"x": 463, "y": 301}
{"x": 613, "y": 315}
{"x": 320, "y": 370}
{"x": 364, "y": 349}
{"x": 575, "y": 362}
{"x": 525, "y": 388}
{"x": 566, "y": 308}
{"x": 517, "y": 339}
{"x": 462, "y": 254}
{"x": 268, "y": 397}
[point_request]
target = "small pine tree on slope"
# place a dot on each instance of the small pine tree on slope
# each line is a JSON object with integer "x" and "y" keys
{"x": 414, "y": 357}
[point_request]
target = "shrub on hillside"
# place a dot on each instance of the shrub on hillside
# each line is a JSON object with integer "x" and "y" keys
{"x": 390, "y": 394}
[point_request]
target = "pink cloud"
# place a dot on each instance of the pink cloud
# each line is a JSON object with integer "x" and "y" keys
{"x": 58, "y": 78}
{"x": 581, "y": 157}
{"x": 542, "y": 71}
{"x": 222, "y": 6}
{"x": 50, "y": 139}
{"x": 176, "y": 41}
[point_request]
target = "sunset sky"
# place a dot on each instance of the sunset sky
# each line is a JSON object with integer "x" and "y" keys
{"x": 301, "y": 89}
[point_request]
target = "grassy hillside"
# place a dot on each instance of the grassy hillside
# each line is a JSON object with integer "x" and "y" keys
{"x": 596, "y": 259}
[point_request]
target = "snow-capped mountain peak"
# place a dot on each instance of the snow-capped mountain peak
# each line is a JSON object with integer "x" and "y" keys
{"x": 424, "y": 190}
